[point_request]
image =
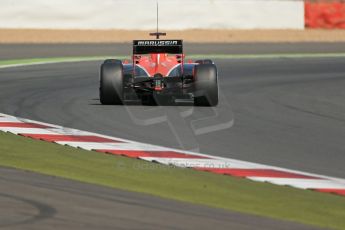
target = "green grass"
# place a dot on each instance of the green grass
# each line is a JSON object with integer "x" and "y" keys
{"x": 51, "y": 60}
{"x": 324, "y": 210}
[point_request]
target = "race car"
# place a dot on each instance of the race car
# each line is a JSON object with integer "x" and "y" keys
{"x": 158, "y": 73}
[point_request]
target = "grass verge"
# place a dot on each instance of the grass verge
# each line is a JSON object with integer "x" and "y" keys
{"x": 308, "y": 207}
{"x": 35, "y": 61}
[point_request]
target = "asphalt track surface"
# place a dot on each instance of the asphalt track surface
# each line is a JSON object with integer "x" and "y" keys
{"x": 283, "y": 112}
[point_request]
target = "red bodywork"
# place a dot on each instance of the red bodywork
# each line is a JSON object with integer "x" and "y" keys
{"x": 158, "y": 63}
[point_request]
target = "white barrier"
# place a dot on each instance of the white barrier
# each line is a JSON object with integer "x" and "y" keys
{"x": 140, "y": 14}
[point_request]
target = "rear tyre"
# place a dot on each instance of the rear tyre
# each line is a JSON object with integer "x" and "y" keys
{"x": 206, "y": 85}
{"x": 111, "y": 83}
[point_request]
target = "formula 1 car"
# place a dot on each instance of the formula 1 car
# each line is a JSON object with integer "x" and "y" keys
{"x": 158, "y": 71}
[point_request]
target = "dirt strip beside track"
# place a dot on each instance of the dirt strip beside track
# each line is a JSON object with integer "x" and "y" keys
{"x": 213, "y": 36}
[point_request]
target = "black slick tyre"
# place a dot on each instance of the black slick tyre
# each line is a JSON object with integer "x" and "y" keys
{"x": 206, "y": 85}
{"x": 111, "y": 83}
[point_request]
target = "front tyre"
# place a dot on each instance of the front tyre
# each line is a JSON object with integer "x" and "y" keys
{"x": 206, "y": 85}
{"x": 111, "y": 83}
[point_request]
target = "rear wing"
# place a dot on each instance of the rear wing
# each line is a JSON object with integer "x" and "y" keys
{"x": 157, "y": 46}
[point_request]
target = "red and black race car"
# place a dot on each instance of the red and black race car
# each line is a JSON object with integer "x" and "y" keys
{"x": 158, "y": 71}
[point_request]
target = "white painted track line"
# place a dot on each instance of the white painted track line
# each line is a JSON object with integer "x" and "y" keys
{"x": 301, "y": 183}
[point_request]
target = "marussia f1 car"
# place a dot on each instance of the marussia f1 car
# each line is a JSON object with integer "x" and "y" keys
{"x": 158, "y": 71}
